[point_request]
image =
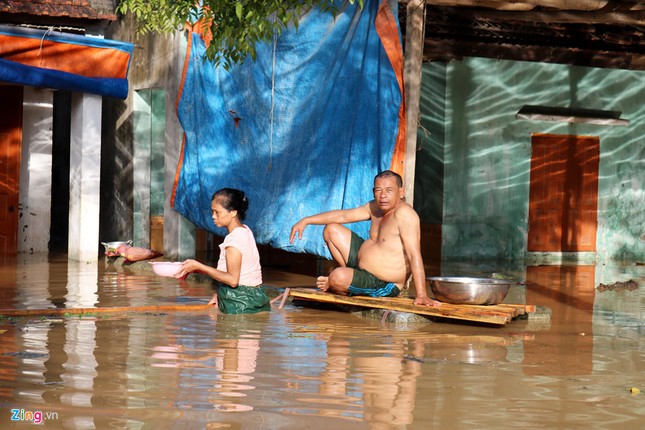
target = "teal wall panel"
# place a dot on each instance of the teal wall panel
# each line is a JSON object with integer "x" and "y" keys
{"x": 141, "y": 165}
{"x": 487, "y": 152}
{"x": 428, "y": 176}
{"x": 149, "y": 143}
{"x": 157, "y": 147}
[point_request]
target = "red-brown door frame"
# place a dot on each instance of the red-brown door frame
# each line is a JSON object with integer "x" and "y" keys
{"x": 10, "y": 149}
{"x": 563, "y": 201}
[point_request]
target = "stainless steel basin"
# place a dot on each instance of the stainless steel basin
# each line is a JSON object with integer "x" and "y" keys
{"x": 469, "y": 291}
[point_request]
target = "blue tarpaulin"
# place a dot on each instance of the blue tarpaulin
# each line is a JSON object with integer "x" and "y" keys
{"x": 302, "y": 129}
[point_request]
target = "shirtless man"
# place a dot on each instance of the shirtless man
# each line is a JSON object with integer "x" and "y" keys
{"x": 380, "y": 265}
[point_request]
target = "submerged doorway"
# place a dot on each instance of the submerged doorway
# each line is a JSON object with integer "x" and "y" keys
{"x": 10, "y": 149}
{"x": 563, "y": 201}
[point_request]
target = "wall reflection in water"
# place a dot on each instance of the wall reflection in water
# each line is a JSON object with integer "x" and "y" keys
{"x": 569, "y": 292}
{"x": 307, "y": 367}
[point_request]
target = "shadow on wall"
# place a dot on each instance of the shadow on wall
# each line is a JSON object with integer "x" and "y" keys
{"x": 117, "y": 152}
{"x": 61, "y": 135}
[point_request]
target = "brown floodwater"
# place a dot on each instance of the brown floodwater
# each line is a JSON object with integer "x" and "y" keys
{"x": 306, "y": 367}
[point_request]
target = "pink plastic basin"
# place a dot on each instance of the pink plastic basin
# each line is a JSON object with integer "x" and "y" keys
{"x": 166, "y": 268}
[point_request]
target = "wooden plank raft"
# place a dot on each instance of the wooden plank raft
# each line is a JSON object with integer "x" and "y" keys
{"x": 491, "y": 314}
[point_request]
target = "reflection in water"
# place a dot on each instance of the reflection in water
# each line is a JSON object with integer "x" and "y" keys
{"x": 477, "y": 349}
{"x": 569, "y": 292}
{"x": 311, "y": 368}
{"x": 79, "y": 370}
{"x": 82, "y": 285}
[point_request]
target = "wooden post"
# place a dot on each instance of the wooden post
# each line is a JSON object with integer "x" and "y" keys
{"x": 414, "y": 38}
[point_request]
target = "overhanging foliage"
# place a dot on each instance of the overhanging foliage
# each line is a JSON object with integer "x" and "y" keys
{"x": 235, "y": 26}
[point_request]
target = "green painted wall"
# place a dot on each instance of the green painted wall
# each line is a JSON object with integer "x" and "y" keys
{"x": 428, "y": 176}
{"x": 157, "y": 144}
{"x": 487, "y": 151}
{"x": 148, "y": 161}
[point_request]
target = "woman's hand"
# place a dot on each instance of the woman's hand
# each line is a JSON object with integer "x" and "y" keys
{"x": 188, "y": 266}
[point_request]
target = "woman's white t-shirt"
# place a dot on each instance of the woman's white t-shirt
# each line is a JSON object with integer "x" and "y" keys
{"x": 243, "y": 240}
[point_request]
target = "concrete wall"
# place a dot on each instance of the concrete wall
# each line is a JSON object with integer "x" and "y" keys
{"x": 35, "y": 171}
{"x": 487, "y": 152}
{"x": 157, "y": 63}
{"x": 84, "y": 177}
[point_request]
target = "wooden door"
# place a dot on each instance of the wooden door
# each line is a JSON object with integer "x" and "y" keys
{"x": 563, "y": 201}
{"x": 10, "y": 145}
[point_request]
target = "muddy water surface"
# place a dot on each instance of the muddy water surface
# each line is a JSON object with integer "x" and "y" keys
{"x": 301, "y": 367}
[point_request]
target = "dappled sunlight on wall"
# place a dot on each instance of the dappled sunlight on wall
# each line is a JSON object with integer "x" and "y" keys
{"x": 428, "y": 177}
{"x": 487, "y": 153}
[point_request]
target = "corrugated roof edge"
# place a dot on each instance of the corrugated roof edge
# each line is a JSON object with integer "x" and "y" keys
{"x": 58, "y": 9}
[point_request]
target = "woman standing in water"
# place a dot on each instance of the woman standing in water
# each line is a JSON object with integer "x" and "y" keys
{"x": 238, "y": 270}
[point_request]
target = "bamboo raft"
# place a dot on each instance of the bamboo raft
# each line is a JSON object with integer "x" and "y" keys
{"x": 492, "y": 314}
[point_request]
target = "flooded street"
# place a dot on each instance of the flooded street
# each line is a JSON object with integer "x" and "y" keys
{"x": 305, "y": 367}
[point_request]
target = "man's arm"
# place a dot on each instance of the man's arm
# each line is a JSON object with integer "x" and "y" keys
{"x": 410, "y": 232}
{"x": 340, "y": 216}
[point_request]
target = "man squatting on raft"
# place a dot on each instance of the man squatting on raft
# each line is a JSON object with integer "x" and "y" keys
{"x": 380, "y": 265}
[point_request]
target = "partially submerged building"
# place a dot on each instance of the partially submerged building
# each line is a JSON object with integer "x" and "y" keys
{"x": 530, "y": 139}
{"x": 84, "y": 148}
{"x": 56, "y": 67}
{"x": 529, "y": 142}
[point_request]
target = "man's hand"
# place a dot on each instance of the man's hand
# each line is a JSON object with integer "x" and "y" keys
{"x": 298, "y": 228}
{"x": 426, "y": 301}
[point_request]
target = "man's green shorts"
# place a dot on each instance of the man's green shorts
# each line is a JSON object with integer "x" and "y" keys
{"x": 363, "y": 282}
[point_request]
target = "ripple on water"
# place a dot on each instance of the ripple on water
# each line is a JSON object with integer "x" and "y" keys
{"x": 300, "y": 367}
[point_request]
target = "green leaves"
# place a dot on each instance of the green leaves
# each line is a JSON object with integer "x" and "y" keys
{"x": 236, "y": 26}
{"x": 238, "y": 10}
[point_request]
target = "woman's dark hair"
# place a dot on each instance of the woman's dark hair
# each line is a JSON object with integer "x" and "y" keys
{"x": 232, "y": 200}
